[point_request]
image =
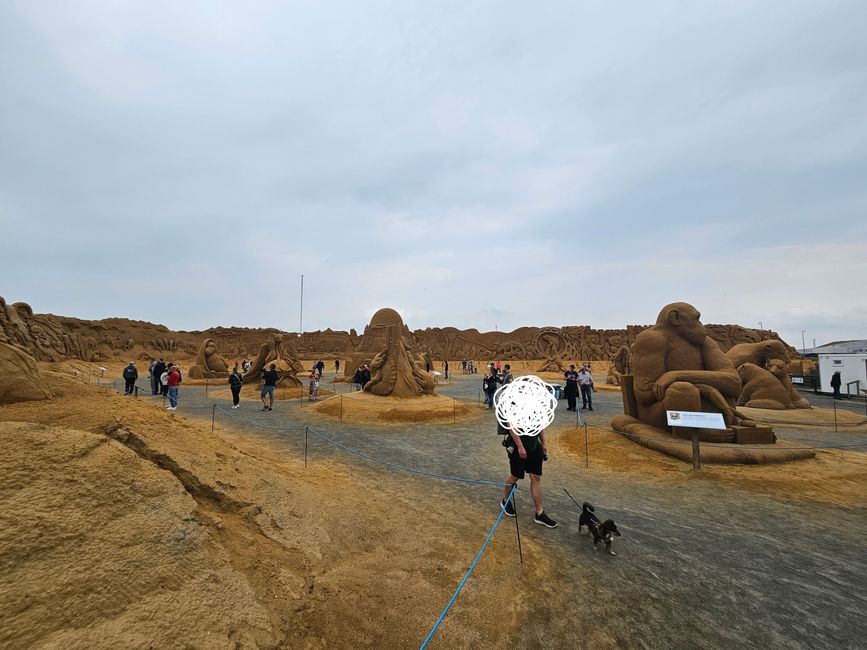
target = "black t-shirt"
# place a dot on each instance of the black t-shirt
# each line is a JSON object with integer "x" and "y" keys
{"x": 270, "y": 377}
{"x": 571, "y": 378}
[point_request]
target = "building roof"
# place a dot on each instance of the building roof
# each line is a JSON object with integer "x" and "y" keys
{"x": 841, "y": 347}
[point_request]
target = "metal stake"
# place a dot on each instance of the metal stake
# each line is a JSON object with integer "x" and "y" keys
{"x": 586, "y": 449}
{"x": 213, "y": 417}
{"x": 305, "y": 445}
{"x": 696, "y": 453}
{"x": 517, "y": 527}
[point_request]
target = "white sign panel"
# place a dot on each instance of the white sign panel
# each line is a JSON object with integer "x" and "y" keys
{"x": 695, "y": 420}
{"x": 797, "y": 380}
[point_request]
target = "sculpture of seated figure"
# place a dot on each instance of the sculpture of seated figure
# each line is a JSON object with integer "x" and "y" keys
{"x": 678, "y": 367}
{"x": 208, "y": 364}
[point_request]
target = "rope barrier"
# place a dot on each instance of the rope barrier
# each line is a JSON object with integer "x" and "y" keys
{"x": 469, "y": 571}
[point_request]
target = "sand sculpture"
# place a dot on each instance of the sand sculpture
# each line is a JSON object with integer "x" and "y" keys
{"x": 275, "y": 351}
{"x": 620, "y": 365}
{"x": 770, "y": 361}
{"x": 209, "y": 364}
{"x": 397, "y": 369}
{"x": 20, "y": 380}
{"x": 678, "y": 367}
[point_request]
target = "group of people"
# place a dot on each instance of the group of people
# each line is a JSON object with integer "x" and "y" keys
{"x": 575, "y": 381}
{"x": 361, "y": 377}
{"x": 468, "y": 367}
{"x": 493, "y": 379}
{"x": 165, "y": 379}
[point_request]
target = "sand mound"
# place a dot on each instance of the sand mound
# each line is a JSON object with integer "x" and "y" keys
{"x": 813, "y": 417}
{"x": 97, "y": 541}
{"x": 363, "y": 407}
{"x": 20, "y": 380}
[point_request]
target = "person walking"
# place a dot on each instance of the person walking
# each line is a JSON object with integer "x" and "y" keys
{"x": 446, "y": 369}
{"x": 173, "y": 381}
{"x": 130, "y": 374}
{"x": 571, "y": 389}
{"x": 270, "y": 378}
{"x": 836, "y": 382}
{"x": 526, "y": 455}
{"x": 585, "y": 381}
{"x": 314, "y": 387}
{"x": 236, "y": 380}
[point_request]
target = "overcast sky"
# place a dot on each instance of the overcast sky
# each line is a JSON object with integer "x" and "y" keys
{"x": 475, "y": 164}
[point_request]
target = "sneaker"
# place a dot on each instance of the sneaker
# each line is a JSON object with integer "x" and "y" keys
{"x": 545, "y": 520}
{"x": 589, "y": 408}
{"x": 510, "y": 507}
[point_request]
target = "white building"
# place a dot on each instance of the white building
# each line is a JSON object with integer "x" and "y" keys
{"x": 851, "y": 366}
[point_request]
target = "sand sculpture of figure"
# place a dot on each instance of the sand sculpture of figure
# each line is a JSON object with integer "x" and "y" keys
{"x": 619, "y": 365}
{"x": 762, "y": 354}
{"x": 552, "y": 365}
{"x": 209, "y": 364}
{"x": 396, "y": 370}
{"x": 19, "y": 376}
{"x": 678, "y": 367}
{"x": 273, "y": 351}
{"x": 762, "y": 387}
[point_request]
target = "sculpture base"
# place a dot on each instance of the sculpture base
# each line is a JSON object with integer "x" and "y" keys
{"x": 814, "y": 417}
{"x": 752, "y": 453}
{"x": 363, "y": 407}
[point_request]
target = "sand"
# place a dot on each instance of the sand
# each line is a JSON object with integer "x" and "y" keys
{"x": 123, "y": 524}
{"x": 364, "y": 407}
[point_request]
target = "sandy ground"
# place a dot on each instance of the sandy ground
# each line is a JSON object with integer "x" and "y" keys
{"x": 126, "y": 526}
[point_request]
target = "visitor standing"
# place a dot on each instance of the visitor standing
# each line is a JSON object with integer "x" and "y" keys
{"x": 526, "y": 455}
{"x": 585, "y": 381}
{"x": 571, "y": 389}
{"x": 365, "y": 375}
{"x": 270, "y": 378}
{"x": 235, "y": 383}
{"x": 336, "y": 366}
{"x": 506, "y": 377}
{"x": 491, "y": 383}
{"x": 153, "y": 377}
{"x": 836, "y": 382}
{"x": 356, "y": 378}
{"x": 446, "y": 369}
{"x": 173, "y": 381}
{"x": 314, "y": 387}
{"x": 130, "y": 374}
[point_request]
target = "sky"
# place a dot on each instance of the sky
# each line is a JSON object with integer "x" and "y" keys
{"x": 471, "y": 164}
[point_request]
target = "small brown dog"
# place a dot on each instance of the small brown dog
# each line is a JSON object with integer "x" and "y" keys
{"x": 600, "y": 531}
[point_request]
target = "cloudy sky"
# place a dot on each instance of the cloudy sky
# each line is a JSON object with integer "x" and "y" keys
{"x": 476, "y": 164}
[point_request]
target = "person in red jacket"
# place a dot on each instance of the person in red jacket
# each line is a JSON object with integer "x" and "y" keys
{"x": 173, "y": 381}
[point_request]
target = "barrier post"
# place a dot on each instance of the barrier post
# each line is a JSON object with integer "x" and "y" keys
{"x": 454, "y": 410}
{"x": 135, "y": 391}
{"x": 114, "y": 385}
{"x": 586, "y": 449}
{"x": 306, "y": 429}
{"x": 206, "y": 387}
{"x": 213, "y": 417}
{"x": 696, "y": 453}
{"x": 835, "y": 417}
{"x": 517, "y": 527}
{"x": 341, "y": 408}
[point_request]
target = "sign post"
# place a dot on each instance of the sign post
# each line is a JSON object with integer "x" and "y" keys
{"x": 695, "y": 420}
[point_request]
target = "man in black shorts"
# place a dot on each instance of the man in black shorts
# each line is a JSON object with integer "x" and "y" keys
{"x": 526, "y": 454}
{"x": 270, "y": 378}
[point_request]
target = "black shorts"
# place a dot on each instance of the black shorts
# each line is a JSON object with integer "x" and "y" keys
{"x": 531, "y": 464}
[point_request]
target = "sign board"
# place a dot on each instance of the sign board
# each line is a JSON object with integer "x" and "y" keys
{"x": 695, "y": 420}
{"x": 797, "y": 380}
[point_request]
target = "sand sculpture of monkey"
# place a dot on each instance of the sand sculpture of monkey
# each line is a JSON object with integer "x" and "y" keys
{"x": 208, "y": 364}
{"x": 762, "y": 387}
{"x": 761, "y": 354}
{"x": 678, "y": 367}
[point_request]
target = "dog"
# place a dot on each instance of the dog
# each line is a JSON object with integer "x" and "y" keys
{"x": 600, "y": 531}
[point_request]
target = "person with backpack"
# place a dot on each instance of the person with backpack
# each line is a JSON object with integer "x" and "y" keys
{"x": 130, "y": 374}
{"x": 235, "y": 382}
{"x": 173, "y": 381}
{"x": 526, "y": 455}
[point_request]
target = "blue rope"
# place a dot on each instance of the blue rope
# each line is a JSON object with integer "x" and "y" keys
{"x": 469, "y": 571}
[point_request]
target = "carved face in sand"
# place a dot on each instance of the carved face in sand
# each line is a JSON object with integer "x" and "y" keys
{"x": 684, "y": 319}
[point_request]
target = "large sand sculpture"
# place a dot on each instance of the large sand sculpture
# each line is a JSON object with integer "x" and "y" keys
{"x": 678, "y": 367}
{"x": 20, "y": 380}
{"x": 396, "y": 369}
{"x": 281, "y": 354}
{"x": 763, "y": 368}
{"x": 209, "y": 364}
